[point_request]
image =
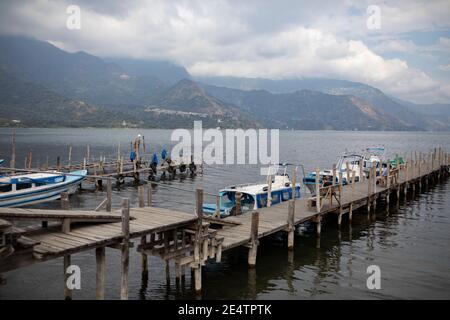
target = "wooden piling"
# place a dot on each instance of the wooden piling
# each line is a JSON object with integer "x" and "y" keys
{"x": 318, "y": 205}
{"x": 217, "y": 207}
{"x": 108, "y": 195}
{"x": 294, "y": 182}
{"x": 13, "y": 150}
{"x": 144, "y": 258}
{"x": 66, "y": 264}
{"x": 318, "y": 225}
{"x": 149, "y": 195}
{"x": 253, "y": 239}
{"x": 198, "y": 237}
{"x": 334, "y": 174}
{"x": 70, "y": 156}
{"x": 340, "y": 196}
{"x": 100, "y": 257}
{"x": 67, "y": 258}
{"x": 291, "y": 225}
{"x": 125, "y": 249}
{"x": 141, "y": 196}
{"x": 238, "y": 203}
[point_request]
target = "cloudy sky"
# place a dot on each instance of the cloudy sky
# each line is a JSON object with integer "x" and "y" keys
{"x": 406, "y": 52}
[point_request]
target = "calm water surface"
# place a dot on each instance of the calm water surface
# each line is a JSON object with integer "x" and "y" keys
{"x": 410, "y": 244}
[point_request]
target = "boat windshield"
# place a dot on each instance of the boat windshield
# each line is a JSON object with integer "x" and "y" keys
{"x": 351, "y": 160}
{"x": 228, "y": 199}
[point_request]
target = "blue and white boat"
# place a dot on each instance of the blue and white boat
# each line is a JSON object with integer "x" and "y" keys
{"x": 253, "y": 196}
{"x": 33, "y": 188}
{"x": 353, "y": 161}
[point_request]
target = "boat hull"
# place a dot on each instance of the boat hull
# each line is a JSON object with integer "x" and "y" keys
{"x": 42, "y": 194}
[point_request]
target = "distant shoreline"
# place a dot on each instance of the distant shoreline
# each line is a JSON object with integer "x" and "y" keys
{"x": 205, "y": 128}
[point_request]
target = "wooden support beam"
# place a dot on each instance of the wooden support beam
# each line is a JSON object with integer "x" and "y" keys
{"x": 125, "y": 257}
{"x": 253, "y": 239}
{"x": 101, "y": 272}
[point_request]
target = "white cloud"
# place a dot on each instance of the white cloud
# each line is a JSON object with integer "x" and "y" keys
{"x": 282, "y": 39}
{"x": 444, "y": 67}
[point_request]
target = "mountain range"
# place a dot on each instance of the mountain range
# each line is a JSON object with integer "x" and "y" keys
{"x": 42, "y": 85}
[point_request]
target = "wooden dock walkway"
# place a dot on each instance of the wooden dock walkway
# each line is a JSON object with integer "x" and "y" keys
{"x": 191, "y": 239}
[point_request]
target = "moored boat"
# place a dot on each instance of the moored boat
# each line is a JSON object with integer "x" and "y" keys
{"x": 254, "y": 196}
{"x": 33, "y": 188}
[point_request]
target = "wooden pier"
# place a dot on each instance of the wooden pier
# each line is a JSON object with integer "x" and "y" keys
{"x": 191, "y": 239}
{"x": 119, "y": 168}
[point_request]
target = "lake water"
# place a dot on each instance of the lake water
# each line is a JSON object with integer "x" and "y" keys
{"x": 410, "y": 244}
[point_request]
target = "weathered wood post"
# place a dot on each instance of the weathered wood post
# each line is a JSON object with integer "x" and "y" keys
{"x": 374, "y": 169}
{"x": 141, "y": 196}
{"x": 65, "y": 206}
{"x": 294, "y": 182}
{"x": 66, "y": 265}
{"x": 88, "y": 154}
{"x": 70, "y": 156}
{"x": 340, "y": 196}
{"x": 12, "y": 163}
{"x": 291, "y": 225}
{"x": 334, "y": 174}
{"x": 29, "y": 159}
{"x": 318, "y": 206}
{"x": 144, "y": 258}
{"x": 198, "y": 240}
{"x": 58, "y": 163}
{"x": 388, "y": 183}
{"x": 149, "y": 195}
{"x": 108, "y": 195}
{"x": 125, "y": 248}
{"x": 218, "y": 206}
{"x": 269, "y": 189}
{"x": 238, "y": 203}
{"x": 66, "y": 258}
{"x": 253, "y": 239}
{"x": 318, "y": 225}
{"x": 101, "y": 272}
{"x": 420, "y": 171}
{"x": 347, "y": 172}
{"x": 369, "y": 191}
